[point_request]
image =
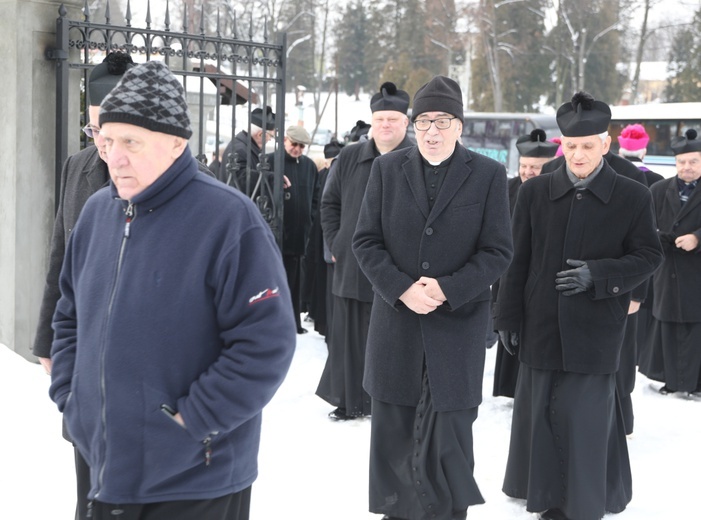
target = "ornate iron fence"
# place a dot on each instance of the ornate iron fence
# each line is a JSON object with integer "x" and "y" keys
{"x": 218, "y": 73}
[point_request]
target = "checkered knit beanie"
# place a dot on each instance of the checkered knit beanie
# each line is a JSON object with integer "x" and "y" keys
{"x": 151, "y": 97}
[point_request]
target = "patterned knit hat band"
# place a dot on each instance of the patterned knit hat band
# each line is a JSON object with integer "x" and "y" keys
{"x": 149, "y": 96}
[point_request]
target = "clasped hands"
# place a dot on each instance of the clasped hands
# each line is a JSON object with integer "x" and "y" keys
{"x": 423, "y": 296}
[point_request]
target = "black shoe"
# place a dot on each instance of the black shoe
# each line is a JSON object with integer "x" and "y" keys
{"x": 552, "y": 514}
{"x": 339, "y": 414}
{"x": 665, "y": 390}
{"x": 301, "y": 330}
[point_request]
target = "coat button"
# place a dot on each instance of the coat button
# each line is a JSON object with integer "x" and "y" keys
{"x": 615, "y": 290}
{"x": 425, "y": 265}
{"x": 579, "y": 196}
{"x": 429, "y": 231}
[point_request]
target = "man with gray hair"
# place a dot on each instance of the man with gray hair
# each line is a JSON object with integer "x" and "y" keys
{"x": 584, "y": 238}
{"x": 174, "y": 328}
{"x": 245, "y": 149}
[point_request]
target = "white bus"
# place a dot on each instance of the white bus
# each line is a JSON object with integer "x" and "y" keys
{"x": 662, "y": 121}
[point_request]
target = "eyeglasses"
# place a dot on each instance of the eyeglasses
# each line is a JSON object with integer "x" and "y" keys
{"x": 91, "y": 131}
{"x": 442, "y": 123}
{"x": 300, "y": 145}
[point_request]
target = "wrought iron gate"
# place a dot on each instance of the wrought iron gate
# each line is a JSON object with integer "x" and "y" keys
{"x": 216, "y": 72}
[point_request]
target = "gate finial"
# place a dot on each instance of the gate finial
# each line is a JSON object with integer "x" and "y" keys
{"x": 167, "y": 20}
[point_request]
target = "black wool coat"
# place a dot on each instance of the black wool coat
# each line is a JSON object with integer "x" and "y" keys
{"x": 464, "y": 242}
{"x": 340, "y": 207}
{"x": 610, "y": 225}
{"x": 300, "y": 202}
{"x": 83, "y": 174}
{"x": 247, "y": 153}
{"x": 677, "y": 283}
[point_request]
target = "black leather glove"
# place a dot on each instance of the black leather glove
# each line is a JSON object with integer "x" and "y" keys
{"x": 574, "y": 281}
{"x": 509, "y": 340}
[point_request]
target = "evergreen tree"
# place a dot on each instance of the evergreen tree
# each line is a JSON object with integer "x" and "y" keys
{"x": 684, "y": 66}
{"x": 510, "y": 71}
{"x": 351, "y": 47}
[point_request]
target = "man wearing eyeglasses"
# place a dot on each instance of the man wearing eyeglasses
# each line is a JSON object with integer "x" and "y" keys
{"x": 341, "y": 383}
{"x": 300, "y": 199}
{"x": 433, "y": 235}
{"x": 83, "y": 174}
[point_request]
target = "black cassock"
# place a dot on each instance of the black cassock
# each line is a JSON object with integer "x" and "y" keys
{"x": 568, "y": 446}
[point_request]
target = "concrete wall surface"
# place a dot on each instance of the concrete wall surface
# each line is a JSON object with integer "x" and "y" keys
{"x": 27, "y": 176}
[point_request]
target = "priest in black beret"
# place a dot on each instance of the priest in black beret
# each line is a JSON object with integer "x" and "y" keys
{"x": 341, "y": 382}
{"x": 674, "y": 348}
{"x": 534, "y": 151}
{"x": 584, "y": 238}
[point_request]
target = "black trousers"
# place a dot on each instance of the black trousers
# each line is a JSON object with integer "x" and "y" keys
{"x": 293, "y": 269}
{"x": 228, "y": 507}
{"x": 82, "y": 480}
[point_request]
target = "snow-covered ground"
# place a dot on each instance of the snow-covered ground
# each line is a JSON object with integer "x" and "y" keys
{"x": 315, "y": 469}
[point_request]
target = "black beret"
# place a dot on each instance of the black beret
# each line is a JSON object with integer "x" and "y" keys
{"x": 536, "y": 144}
{"x": 257, "y": 118}
{"x": 105, "y": 76}
{"x": 332, "y": 149}
{"x": 686, "y": 143}
{"x": 390, "y": 98}
{"x": 583, "y": 116}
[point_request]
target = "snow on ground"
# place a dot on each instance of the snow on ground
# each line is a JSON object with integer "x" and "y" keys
{"x": 315, "y": 469}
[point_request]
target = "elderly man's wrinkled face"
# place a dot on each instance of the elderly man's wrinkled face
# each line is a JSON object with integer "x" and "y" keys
{"x": 583, "y": 154}
{"x": 529, "y": 167}
{"x": 437, "y": 134}
{"x": 136, "y": 157}
{"x": 688, "y": 166}
{"x": 293, "y": 148}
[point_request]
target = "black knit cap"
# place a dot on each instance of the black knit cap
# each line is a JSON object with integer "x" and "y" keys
{"x": 583, "y": 116}
{"x": 332, "y": 149}
{"x": 390, "y": 98}
{"x": 105, "y": 76}
{"x": 536, "y": 144}
{"x": 149, "y": 96}
{"x": 360, "y": 129}
{"x": 441, "y": 94}
{"x": 686, "y": 143}
{"x": 257, "y": 118}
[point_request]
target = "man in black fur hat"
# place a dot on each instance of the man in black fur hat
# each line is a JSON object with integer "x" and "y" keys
{"x": 674, "y": 348}
{"x": 342, "y": 378}
{"x": 584, "y": 238}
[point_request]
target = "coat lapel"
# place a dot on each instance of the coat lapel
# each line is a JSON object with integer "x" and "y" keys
{"x": 414, "y": 177}
{"x": 672, "y": 197}
{"x": 692, "y": 203}
{"x": 95, "y": 171}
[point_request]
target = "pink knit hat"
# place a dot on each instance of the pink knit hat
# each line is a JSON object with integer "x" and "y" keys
{"x": 633, "y": 138}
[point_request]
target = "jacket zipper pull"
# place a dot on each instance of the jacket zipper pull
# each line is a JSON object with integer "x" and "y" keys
{"x": 130, "y": 216}
{"x": 207, "y": 451}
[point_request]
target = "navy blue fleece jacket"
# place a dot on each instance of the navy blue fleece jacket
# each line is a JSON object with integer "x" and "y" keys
{"x": 176, "y": 302}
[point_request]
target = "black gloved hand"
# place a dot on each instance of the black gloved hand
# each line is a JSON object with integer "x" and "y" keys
{"x": 509, "y": 340}
{"x": 574, "y": 281}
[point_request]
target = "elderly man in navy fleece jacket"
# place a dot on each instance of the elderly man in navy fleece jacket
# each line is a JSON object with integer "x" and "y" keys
{"x": 175, "y": 326}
